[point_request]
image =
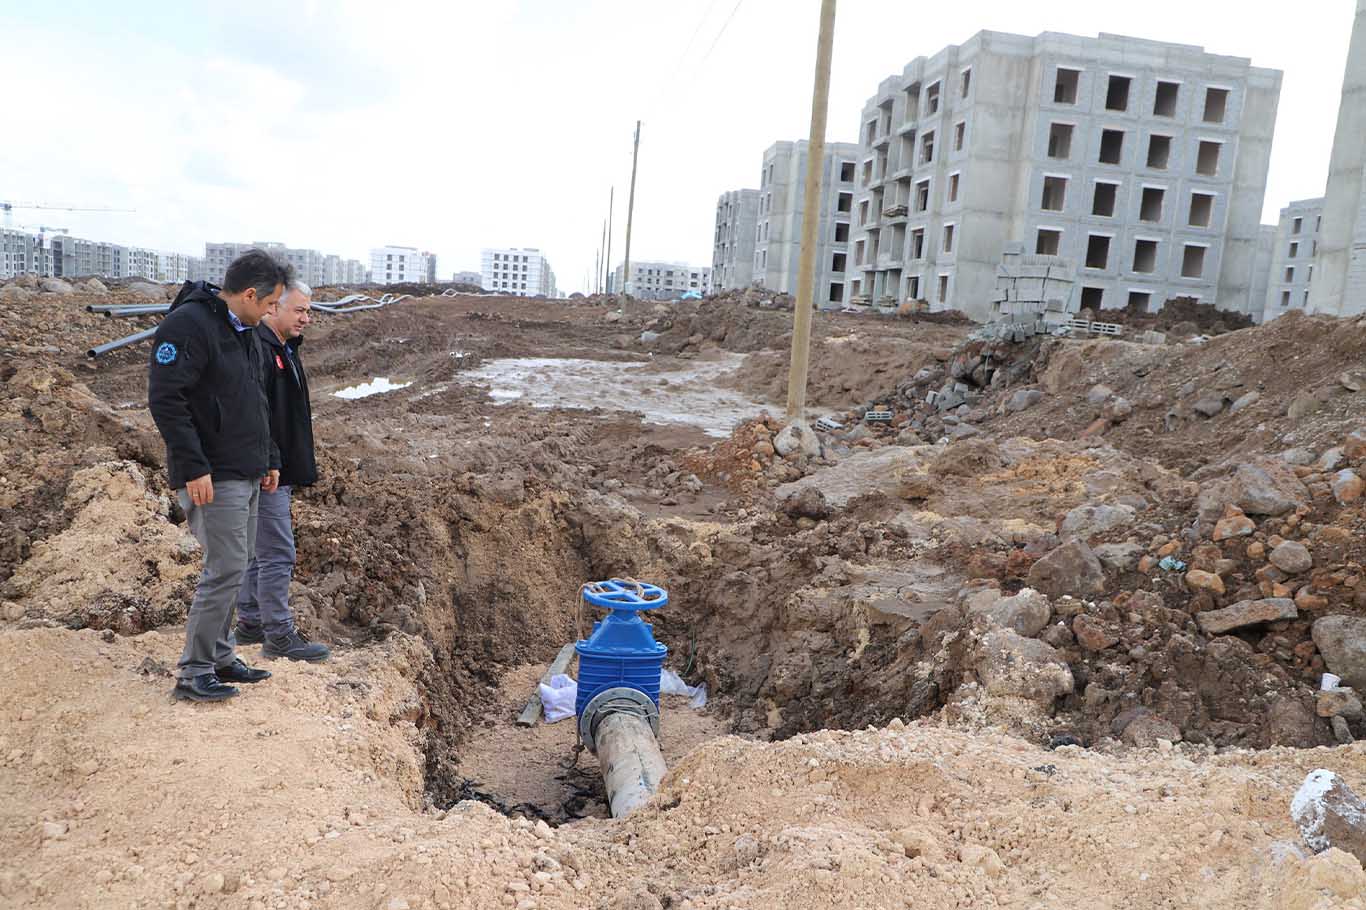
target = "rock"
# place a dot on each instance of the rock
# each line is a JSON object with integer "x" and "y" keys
{"x": 764, "y": 449}
{"x": 1246, "y": 613}
{"x": 54, "y": 830}
{"x": 1209, "y": 406}
{"x": 1119, "y": 557}
{"x": 1342, "y": 642}
{"x": 1341, "y": 731}
{"x": 1099, "y": 394}
{"x": 213, "y": 883}
{"x": 648, "y": 337}
{"x": 27, "y": 280}
{"x": 1144, "y": 731}
{"x": 1245, "y": 401}
{"x": 1266, "y": 489}
{"x": 1340, "y": 702}
{"x": 147, "y": 290}
{"x": 13, "y": 293}
{"x": 1352, "y": 382}
{"x": 1085, "y": 522}
{"x": 1347, "y": 486}
{"x": 984, "y": 858}
{"x": 1071, "y": 569}
{"x": 808, "y": 502}
{"x": 1330, "y": 460}
{"x": 94, "y": 284}
{"x": 1092, "y": 634}
{"x": 797, "y": 438}
{"x": 56, "y": 286}
{"x": 1023, "y": 399}
{"x": 1026, "y": 613}
{"x": 963, "y": 431}
{"x": 1297, "y": 457}
{"x": 1354, "y": 446}
{"x": 12, "y": 611}
{"x": 1303, "y": 406}
{"x": 1330, "y": 815}
{"x": 1292, "y": 557}
{"x": 1010, "y": 665}
{"x": 1234, "y": 526}
{"x": 1200, "y": 580}
{"x": 1117, "y": 410}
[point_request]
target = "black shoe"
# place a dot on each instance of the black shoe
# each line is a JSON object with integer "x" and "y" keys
{"x": 249, "y": 634}
{"x": 204, "y": 687}
{"x": 239, "y": 672}
{"x": 294, "y": 645}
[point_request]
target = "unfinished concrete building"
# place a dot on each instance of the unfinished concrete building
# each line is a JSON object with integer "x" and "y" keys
{"x": 1341, "y": 261}
{"x": 1142, "y": 161}
{"x": 732, "y": 257}
{"x": 778, "y": 231}
{"x": 1291, "y": 271}
{"x": 661, "y": 280}
{"x": 519, "y": 271}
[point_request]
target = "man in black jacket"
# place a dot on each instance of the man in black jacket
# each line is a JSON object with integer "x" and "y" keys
{"x": 263, "y": 612}
{"x": 207, "y": 395}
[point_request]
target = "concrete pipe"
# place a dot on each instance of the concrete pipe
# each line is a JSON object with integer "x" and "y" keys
{"x": 632, "y": 765}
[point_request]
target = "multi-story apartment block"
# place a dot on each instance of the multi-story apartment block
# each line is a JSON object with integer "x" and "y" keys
{"x": 520, "y": 272}
{"x": 178, "y": 267}
{"x": 1143, "y": 162}
{"x": 311, "y": 267}
{"x": 778, "y": 230}
{"x": 1341, "y": 260}
{"x": 141, "y": 263}
{"x": 22, "y": 253}
{"x": 473, "y": 278}
{"x": 402, "y": 264}
{"x": 661, "y": 280}
{"x": 1291, "y": 271}
{"x": 732, "y": 258}
{"x": 73, "y": 257}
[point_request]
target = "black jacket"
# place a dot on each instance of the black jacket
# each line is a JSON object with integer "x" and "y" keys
{"x": 291, "y": 415}
{"x": 206, "y": 392}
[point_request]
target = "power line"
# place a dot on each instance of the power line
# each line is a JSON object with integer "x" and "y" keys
{"x": 724, "y": 26}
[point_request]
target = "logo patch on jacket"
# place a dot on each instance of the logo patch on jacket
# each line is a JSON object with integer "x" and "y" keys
{"x": 279, "y": 364}
{"x": 166, "y": 353}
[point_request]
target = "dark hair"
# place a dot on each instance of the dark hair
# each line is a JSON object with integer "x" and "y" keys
{"x": 257, "y": 269}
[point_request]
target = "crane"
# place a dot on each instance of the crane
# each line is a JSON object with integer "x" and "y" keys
{"x": 8, "y": 208}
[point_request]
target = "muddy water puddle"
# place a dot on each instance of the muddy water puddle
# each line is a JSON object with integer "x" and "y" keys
{"x": 672, "y": 392}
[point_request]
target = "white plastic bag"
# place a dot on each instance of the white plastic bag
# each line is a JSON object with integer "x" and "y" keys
{"x": 558, "y": 698}
{"x": 670, "y": 683}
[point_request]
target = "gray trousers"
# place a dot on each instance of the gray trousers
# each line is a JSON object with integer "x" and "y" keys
{"x": 226, "y": 531}
{"x": 263, "y": 599}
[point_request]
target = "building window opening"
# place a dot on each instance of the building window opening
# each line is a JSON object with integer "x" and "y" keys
{"x": 932, "y": 99}
{"x": 1054, "y": 194}
{"x": 1060, "y": 140}
{"x": 953, "y": 188}
{"x": 847, "y": 172}
{"x": 841, "y": 232}
{"x": 1065, "y": 88}
{"x": 1202, "y": 210}
{"x": 1117, "y": 94}
{"x": 948, "y": 238}
{"x": 1097, "y": 251}
{"x": 1216, "y": 104}
{"x": 943, "y": 288}
{"x": 1207, "y": 160}
{"x": 1150, "y": 208}
{"x": 1103, "y": 203}
{"x": 1193, "y": 261}
{"x": 1048, "y": 242}
{"x": 846, "y": 202}
{"x": 837, "y": 262}
{"x": 1159, "y": 152}
{"x": 1092, "y": 299}
{"x": 1145, "y": 256}
{"x": 1111, "y": 146}
{"x": 1164, "y": 105}
{"x": 1140, "y": 301}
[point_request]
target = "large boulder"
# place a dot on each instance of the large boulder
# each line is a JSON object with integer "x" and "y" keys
{"x": 99, "y": 287}
{"x": 1026, "y": 613}
{"x": 1011, "y": 665}
{"x": 1342, "y": 642}
{"x": 1072, "y": 569}
{"x": 1085, "y": 522}
{"x": 796, "y": 439}
{"x": 147, "y": 290}
{"x": 14, "y": 293}
{"x": 56, "y": 286}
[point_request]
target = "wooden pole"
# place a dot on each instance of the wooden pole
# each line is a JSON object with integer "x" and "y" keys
{"x": 630, "y": 214}
{"x": 811, "y": 213}
{"x": 607, "y": 260}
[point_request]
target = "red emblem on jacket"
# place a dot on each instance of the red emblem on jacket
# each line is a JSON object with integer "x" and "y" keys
{"x": 278, "y": 362}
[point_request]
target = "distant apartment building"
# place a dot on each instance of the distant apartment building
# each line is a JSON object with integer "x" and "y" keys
{"x": 778, "y": 231}
{"x": 523, "y": 272}
{"x": 661, "y": 280}
{"x": 74, "y": 257}
{"x": 1143, "y": 162}
{"x": 732, "y": 258}
{"x": 473, "y": 278}
{"x": 401, "y": 265}
{"x": 141, "y": 263}
{"x": 1341, "y": 260}
{"x": 311, "y": 266}
{"x": 22, "y": 253}
{"x": 179, "y": 268}
{"x": 1291, "y": 271}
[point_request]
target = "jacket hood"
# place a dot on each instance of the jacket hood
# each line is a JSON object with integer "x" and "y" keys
{"x": 197, "y": 292}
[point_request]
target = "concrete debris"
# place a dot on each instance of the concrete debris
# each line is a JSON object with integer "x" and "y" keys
{"x": 1330, "y": 815}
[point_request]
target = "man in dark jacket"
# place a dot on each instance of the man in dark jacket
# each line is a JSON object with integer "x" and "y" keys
{"x": 207, "y": 395}
{"x": 263, "y": 612}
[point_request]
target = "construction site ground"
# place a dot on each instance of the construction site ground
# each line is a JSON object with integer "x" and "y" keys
{"x": 967, "y": 658}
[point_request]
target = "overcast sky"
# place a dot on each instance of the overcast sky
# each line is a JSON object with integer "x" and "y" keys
{"x": 453, "y": 126}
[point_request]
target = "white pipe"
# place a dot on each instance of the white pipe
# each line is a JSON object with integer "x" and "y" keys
{"x": 632, "y": 765}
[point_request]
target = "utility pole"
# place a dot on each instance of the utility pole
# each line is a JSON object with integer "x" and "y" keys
{"x": 597, "y": 263}
{"x": 631, "y": 210}
{"x": 607, "y": 259}
{"x": 806, "y": 266}
{"x": 597, "y": 271}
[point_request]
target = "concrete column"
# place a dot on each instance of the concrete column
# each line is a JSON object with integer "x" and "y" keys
{"x": 1331, "y": 292}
